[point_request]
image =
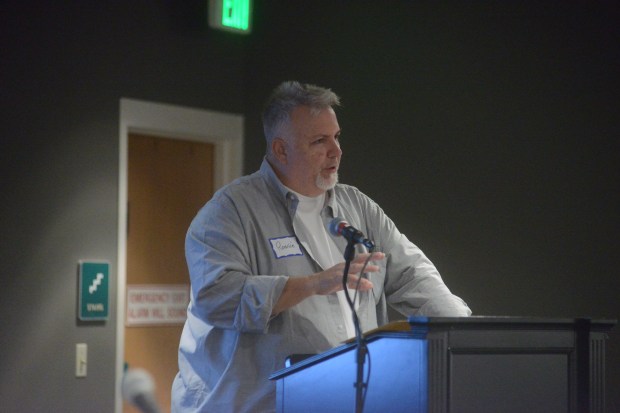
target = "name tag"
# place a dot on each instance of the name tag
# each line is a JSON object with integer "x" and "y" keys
{"x": 285, "y": 247}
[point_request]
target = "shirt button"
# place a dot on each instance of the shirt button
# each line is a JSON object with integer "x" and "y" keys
{"x": 340, "y": 327}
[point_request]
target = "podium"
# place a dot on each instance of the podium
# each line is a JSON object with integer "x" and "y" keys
{"x": 458, "y": 365}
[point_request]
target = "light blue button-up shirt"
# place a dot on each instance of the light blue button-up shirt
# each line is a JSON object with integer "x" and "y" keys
{"x": 240, "y": 249}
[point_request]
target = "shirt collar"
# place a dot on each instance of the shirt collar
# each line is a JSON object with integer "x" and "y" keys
{"x": 267, "y": 170}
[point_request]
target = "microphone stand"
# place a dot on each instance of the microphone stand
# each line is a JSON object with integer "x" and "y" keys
{"x": 361, "y": 349}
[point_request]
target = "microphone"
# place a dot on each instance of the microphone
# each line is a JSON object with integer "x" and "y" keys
{"x": 339, "y": 226}
{"x": 138, "y": 388}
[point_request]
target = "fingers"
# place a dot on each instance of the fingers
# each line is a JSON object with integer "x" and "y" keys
{"x": 363, "y": 285}
{"x": 359, "y": 263}
{"x": 330, "y": 280}
{"x": 356, "y": 268}
{"x": 361, "y": 258}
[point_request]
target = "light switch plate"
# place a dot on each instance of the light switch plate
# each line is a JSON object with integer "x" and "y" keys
{"x": 81, "y": 359}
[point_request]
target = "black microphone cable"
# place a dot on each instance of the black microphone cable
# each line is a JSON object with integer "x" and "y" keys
{"x": 361, "y": 385}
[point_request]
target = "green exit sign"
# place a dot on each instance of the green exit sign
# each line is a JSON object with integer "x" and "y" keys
{"x": 94, "y": 286}
{"x": 231, "y": 15}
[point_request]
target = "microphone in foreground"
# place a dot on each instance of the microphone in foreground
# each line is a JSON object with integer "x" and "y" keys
{"x": 138, "y": 388}
{"x": 339, "y": 226}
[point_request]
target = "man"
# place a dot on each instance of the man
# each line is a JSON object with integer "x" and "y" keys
{"x": 267, "y": 276}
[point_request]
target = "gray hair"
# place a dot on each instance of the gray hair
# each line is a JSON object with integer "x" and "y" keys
{"x": 286, "y": 97}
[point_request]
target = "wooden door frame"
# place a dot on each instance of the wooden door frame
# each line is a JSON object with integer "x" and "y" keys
{"x": 224, "y": 130}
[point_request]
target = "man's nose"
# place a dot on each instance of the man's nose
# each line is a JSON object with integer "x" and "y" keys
{"x": 334, "y": 150}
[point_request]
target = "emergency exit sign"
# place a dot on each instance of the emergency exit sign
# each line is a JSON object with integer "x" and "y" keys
{"x": 94, "y": 285}
{"x": 231, "y": 15}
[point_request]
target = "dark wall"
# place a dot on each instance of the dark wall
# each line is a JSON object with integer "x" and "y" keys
{"x": 487, "y": 130}
{"x": 64, "y": 67}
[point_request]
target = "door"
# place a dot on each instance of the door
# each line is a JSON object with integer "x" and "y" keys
{"x": 168, "y": 180}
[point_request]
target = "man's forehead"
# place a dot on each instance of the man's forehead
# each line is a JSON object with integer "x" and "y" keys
{"x": 304, "y": 118}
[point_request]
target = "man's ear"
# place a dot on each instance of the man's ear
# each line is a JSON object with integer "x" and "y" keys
{"x": 279, "y": 150}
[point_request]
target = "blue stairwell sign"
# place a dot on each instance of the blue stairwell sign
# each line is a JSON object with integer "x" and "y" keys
{"x": 94, "y": 286}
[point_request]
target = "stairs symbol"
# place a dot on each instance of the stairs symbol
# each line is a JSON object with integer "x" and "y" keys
{"x": 96, "y": 283}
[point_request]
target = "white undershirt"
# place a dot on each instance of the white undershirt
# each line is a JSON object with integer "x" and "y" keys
{"x": 322, "y": 247}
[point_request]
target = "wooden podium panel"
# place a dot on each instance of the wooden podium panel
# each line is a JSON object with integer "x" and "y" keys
{"x": 459, "y": 365}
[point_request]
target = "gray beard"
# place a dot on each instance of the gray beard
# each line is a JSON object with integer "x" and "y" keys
{"x": 327, "y": 184}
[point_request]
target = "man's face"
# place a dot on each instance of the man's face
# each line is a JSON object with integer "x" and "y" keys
{"x": 312, "y": 151}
